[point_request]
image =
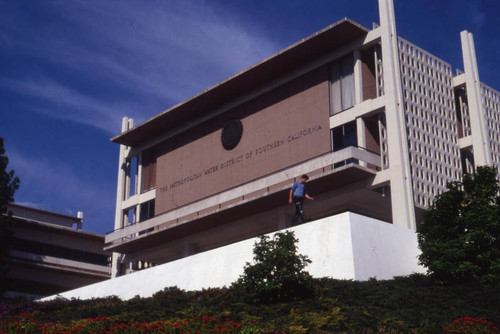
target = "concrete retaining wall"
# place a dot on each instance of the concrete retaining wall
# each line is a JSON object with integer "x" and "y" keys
{"x": 345, "y": 246}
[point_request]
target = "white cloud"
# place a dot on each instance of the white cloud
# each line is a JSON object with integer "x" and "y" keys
{"x": 64, "y": 102}
{"x": 147, "y": 56}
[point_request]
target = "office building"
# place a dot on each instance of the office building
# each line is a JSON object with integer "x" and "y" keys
{"x": 49, "y": 253}
{"x": 379, "y": 125}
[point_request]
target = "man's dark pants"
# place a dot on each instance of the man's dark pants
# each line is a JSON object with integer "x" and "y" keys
{"x": 299, "y": 211}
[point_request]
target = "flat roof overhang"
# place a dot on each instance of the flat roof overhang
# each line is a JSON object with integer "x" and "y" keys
{"x": 308, "y": 49}
{"x": 46, "y": 267}
{"x": 56, "y": 230}
{"x": 321, "y": 184}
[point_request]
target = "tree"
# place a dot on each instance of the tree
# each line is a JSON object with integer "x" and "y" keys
{"x": 8, "y": 182}
{"x": 460, "y": 236}
{"x": 277, "y": 273}
{"x": 8, "y": 185}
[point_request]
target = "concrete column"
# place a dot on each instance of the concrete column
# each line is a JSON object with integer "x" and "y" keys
{"x": 403, "y": 209}
{"x": 80, "y": 222}
{"x": 480, "y": 139}
{"x": 361, "y": 134}
{"x": 358, "y": 77}
{"x": 138, "y": 186}
{"x": 120, "y": 191}
{"x": 188, "y": 248}
{"x": 282, "y": 220}
{"x": 358, "y": 89}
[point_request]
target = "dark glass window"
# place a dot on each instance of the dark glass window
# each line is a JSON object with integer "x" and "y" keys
{"x": 131, "y": 168}
{"x": 344, "y": 136}
{"x": 147, "y": 210}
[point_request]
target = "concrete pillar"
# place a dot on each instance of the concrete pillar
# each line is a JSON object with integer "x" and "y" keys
{"x": 403, "y": 207}
{"x": 120, "y": 191}
{"x": 361, "y": 134}
{"x": 480, "y": 139}
{"x": 358, "y": 77}
{"x": 80, "y": 222}
{"x": 189, "y": 248}
{"x": 282, "y": 219}
{"x": 358, "y": 90}
{"x": 138, "y": 186}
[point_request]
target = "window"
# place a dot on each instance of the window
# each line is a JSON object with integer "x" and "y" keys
{"x": 148, "y": 180}
{"x": 131, "y": 168}
{"x": 147, "y": 210}
{"x": 344, "y": 136}
{"x": 129, "y": 216}
{"x": 342, "y": 94}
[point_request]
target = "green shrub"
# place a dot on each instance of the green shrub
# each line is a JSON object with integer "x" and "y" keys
{"x": 102, "y": 325}
{"x": 277, "y": 273}
{"x": 460, "y": 236}
{"x": 413, "y": 304}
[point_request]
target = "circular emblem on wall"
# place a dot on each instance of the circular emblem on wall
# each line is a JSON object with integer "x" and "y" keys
{"x": 231, "y": 134}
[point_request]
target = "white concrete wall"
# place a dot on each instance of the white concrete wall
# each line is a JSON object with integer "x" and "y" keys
{"x": 345, "y": 246}
{"x": 382, "y": 250}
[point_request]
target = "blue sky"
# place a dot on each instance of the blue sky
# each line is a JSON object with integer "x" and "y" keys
{"x": 70, "y": 70}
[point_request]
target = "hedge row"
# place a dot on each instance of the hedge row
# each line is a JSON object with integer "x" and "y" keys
{"x": 408, "y": 305}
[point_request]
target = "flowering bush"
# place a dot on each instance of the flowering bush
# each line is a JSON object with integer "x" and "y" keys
{"x": 12, "y": 308}
{"x": 205, "y": 324}
{"x": 471, "y": 325}
{"x": 27, "y": 324}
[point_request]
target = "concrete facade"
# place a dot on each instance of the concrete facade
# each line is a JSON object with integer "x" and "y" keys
{"x": 197, "y": 166}
{"x": 379, "y": 124}
{"x": 345, "y": 246}
{"x": 49, "y": 253}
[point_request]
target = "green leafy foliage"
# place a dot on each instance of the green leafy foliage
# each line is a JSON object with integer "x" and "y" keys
{"x": 8, "y": 182}
{"x": 8, "y": 185}
{"x": 278, "y": 272}
{"x": 460, "y": 236}
{"x": 412, "y": 304}
{"x": 25, "y": 323}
